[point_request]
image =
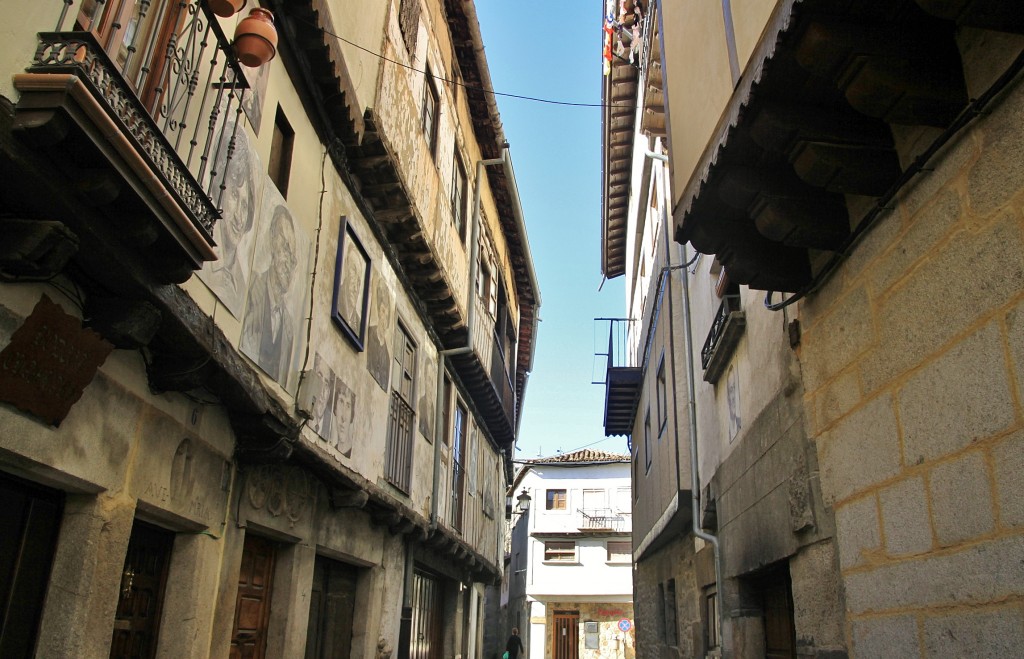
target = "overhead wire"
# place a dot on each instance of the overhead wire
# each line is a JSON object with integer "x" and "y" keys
{"x": 460, "y": 83}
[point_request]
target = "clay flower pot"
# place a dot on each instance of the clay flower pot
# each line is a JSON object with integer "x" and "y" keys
{"x": 226, "y": 8}
{"x": 256, "y": 38}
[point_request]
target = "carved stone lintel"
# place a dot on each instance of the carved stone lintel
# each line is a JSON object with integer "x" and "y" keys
{"x": 128, "y": 324}
{"x": 34, "y": 250}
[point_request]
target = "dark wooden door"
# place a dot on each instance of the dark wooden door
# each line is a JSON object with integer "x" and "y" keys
{"x": 29, "y": 523}
{"x": 252, "y": 605}
{"x": 137, "y": 621}
{"x": 331, "y": 610}
{"x": 427, "y": 637}
{"x": 565, "y": 642}
{"x": 777, "y": 604}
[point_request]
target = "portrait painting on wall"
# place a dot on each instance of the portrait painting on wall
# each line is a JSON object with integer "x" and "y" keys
{"x": 351, "y": 286}
{"x": 271, "y": 325}
{"x": 428, "y": 396}
{"x": 733, "y": 396}
{"x": 321, "y": 416}
{"x": 252, "y": 101}
{"x": 344, "y": 413}
{"x": 242, "y": 181}
{"x": 378, "y": 351}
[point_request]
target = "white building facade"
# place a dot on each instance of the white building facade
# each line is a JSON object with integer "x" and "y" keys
{"x": 569, "y": 571}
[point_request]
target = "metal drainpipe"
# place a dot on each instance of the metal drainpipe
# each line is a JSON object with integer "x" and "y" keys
{"x": 443, "y": 355}
{"x": 694, "y": 465}
{"x": 691, "y": 393}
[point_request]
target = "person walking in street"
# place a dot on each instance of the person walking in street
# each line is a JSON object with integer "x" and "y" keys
{"x": 514, "y": 647}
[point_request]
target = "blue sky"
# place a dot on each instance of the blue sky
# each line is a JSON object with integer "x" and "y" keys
{"x": 553, "y": 51}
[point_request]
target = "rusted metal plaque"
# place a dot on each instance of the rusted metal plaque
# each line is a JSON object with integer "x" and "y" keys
{"x": 50, "y": 360}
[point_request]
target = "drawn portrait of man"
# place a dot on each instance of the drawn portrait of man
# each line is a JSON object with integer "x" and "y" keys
{"x": 322, "y": 414}
{"x": 427, "y": 396}
{"x": 378, "y": 352}
{"x": 228, "y": 276}
{"x": 344, "y": 417}
{"x": 273, "y": 311}
{"x": 733, "y": 395}
{"x": 352, "y": 284}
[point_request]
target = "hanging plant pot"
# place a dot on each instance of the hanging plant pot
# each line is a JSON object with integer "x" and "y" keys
{"x": 256, "y": 38}
{"x": 226, "y": 8}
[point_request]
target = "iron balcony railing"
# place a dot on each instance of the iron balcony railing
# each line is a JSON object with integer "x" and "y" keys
{"x": 167, "y": 75}
{"x": 604, "y": 519}
{"x": 398, "y": 457}
{"x": 621, "y": 349}
{"x": 725, "y": 333}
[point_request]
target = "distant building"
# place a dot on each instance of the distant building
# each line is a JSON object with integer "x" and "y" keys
{"x": 569, "y": 571}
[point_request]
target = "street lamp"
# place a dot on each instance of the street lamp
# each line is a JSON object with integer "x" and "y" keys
{"x": 523, "y": 502}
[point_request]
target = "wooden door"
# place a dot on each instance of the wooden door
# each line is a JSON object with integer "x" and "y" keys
{"x": 29, "y": 522}
{"x": 777, "y": 604}
{"x": 252, "y": 605}
{"x": 331, "y": 610}
{"x": 137, "y": 621}
{"x": 565, "y": 642}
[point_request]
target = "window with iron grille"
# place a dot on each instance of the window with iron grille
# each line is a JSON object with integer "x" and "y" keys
{"x": 671, "y": 623}
{"x": 398, "y": 459}
{"x": 560, "y": 551}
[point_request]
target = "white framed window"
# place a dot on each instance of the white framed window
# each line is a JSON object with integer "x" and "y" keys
{"x": 560, "y": 551}
{"x": 620, "y": 551}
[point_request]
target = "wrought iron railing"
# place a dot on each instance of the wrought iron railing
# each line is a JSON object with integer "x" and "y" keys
{"x": 604, "y": 519}
{"x": 169, "y": 78}
{"x": 621, "y": 351}
{"x": 398, "y": 454}
{"x": 730, "y": 304}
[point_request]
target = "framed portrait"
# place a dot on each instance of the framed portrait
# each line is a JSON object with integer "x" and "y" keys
{"x": 351, "y": 286}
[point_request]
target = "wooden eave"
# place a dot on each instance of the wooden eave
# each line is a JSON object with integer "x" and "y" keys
{"x": 619, "y": 97}
{"x": 810, "y": 124}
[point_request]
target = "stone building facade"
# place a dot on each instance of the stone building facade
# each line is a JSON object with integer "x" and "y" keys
{"x": 265, "y": 330}
{"x": 830, "y": 233}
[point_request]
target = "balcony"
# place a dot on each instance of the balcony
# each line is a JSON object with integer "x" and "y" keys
{"x": 135, "y": 115}
{"x": 725, "y": 333}
{"x": 622, "y": 378}
{"x": 604, "y": 520}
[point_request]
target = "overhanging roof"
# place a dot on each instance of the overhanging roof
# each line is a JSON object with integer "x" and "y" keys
{"x": 809, "y": 127}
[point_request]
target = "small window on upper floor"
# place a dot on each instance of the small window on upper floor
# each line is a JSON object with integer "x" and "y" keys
{"x": 556, "y": 500}
{"x": 431, "y": 112}
{"x": 460, "y": 185}
{"x": 409, "y": 23}
{"x": 560, "y": 551}
{"x": 281, "y": 145}
{"x": 662, "y": 395}
{"x": 620, "y": 551}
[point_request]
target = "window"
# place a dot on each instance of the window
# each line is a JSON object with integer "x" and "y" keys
{"x": 556, "y": 500}
{"x": 460, "y": 185}
{"x": 398, "y": 457}
{"x": 281, "y": 152}
{"x": 560, "y": 551}
{"x": 671, "y": 631}
{"x": 459, "y": 423}
{"x": 409, "y": 23}
{"x": 662, "y": 395}
{"x": 486, "y": 287}
{"x": 636, "y": 474}
{"x": 431, "y": 109}
{"x": 714, "y": 635}
{"x": 647, "y": 440}
{"x": 622, "y": 503}
{"x": 620, "y": 551}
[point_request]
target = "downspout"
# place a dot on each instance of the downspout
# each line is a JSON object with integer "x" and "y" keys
{"x": 691, "y": 394}
{"x": 694, "y": 475}
{"x": 443, "y": 355}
